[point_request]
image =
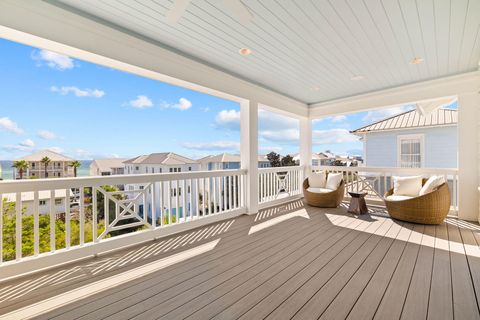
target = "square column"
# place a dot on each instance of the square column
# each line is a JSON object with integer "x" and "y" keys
{"x": 249, "y": 152}
{"x": 468, "y": 156}
{"x": 306, "y": 145}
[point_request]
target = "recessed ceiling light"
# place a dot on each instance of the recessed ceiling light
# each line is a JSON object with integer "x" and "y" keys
{"x": 416, "y": 60}
{"x": 357, "y": 77}
{"x": 245, "y": 51}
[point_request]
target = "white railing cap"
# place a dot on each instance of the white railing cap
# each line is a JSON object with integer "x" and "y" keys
{"x": 95, "y": 181}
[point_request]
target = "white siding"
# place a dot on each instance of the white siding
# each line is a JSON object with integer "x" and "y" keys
{"x": 440, "y": 147}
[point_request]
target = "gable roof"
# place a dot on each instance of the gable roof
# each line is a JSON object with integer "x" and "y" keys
{"x": 227, "y": 157}
{"x": 165, "y": 158}
{"x": 412, "y": 119}
{"x": 38, "y": 156}
{"x": 108, "y": 164}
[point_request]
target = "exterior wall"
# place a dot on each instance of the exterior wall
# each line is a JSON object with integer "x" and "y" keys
{"x": 56, "y": 169}
{"x": 43, "y": 208}
{"x": 440, "y": 147}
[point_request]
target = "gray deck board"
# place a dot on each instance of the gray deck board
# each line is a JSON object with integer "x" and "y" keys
{"x": 330, "y": 265}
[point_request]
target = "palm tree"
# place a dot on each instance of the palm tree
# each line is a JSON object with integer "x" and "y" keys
{"x": 21, "y": 166}
{"x": 46, "y": 161}
{"x": 75, "y": 164}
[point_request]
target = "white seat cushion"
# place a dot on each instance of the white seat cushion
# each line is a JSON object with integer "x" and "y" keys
{"x": 319, "y": 190}
{"x": 407, "y": 186}
{"x": 398, "y": 198}
{"x": 317, "y": 180}
{"x": 432, "y": 183}
{"x": 333, "y": 180}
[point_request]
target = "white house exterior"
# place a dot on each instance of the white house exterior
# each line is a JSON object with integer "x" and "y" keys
{"x": 59, "y": 167}
{"x": 165, "y": 162}
{"x": 107, "y": 167}
{"x": 44, "y": 200}
{"x": 411, "y": 140}
{"x": 226, "y": 161}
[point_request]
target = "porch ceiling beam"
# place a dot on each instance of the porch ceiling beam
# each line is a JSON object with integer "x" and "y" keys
{"x": 40, "y": 24}
{"x": 416, "y": 92}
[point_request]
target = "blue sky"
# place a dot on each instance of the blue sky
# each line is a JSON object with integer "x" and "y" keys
{"x": 50, "y": 101}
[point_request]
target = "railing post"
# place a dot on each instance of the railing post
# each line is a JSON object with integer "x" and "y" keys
{"x": 249, "y": 152}
{"x": 306, "y": 145}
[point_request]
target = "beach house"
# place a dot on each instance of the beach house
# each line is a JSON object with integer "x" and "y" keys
{"x": 107, "y": 167}
{"x": 58, "y": 165}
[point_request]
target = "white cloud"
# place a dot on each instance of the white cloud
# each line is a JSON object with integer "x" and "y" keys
{"x": 228, "y": 119}
{"x": 205, "y": 109}
{"x": 46, "y": 135}
{"x": 333, "y": 136}
{"x": 16, "y": 147}
{"x": 377, "y": 115}
{"x": 272, "y": 126}
{"x": 142, "y": 102}
{"x": 95, "y": 93}
{"x": 339, "y": 118}
{"x": 8, "y": 125}
{"x": 182, "y": 104}
{"x": 27, "y": 143}
{"x": 55, "y": 149}
{"x": 53, "y": 60}
{"x": 214, "y": 146}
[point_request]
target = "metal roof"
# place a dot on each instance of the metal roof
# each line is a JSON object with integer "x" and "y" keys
{"x": 165, "y": 158}
{"x": 412, "y": 119}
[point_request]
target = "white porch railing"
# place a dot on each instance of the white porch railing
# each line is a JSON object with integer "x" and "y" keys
{"x": 376, "y": 181}
{"x": 279, "y": 184}
{"x": 59, "y": 220}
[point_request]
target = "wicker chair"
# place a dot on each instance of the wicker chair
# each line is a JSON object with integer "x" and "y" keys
{"x": 430, "y": 208}
{"x": 324, "y": 200}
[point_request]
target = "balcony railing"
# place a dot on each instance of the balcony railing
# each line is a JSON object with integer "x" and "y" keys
{"x": 376, "y": 181}
{"x": 91, "y": 215}
{"x": 279, "y": 184}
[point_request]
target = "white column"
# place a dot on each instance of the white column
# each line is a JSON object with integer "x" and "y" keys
{"x": 306, "y": 145}
{"x": 249, "y": 152}
{"x": 468, "y": 156}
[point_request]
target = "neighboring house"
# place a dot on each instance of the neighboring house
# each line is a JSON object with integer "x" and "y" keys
{"x": 226, "y": 161}
{"x": 318, "y": 159}
{"x": 59, "y": 166}
{"x": 107, "y": 167}
{"x": 165, "y": 162}
{"x": 43, "y": 201}
{"x": 411, "y": 140}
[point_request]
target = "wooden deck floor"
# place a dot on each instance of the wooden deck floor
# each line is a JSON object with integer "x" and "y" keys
{"x": 287, "y": 262}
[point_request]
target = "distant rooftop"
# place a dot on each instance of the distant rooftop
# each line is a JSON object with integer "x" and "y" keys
{"x": 227, "y": 157}
{"x": 412, "y": 119}
{"x": 38, "y": 156}
{"x": 107, "y": 164}
{"x": 165, "y": 158}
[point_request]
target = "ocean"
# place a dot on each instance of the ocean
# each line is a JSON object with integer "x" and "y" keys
{"x": 6, "y": 170}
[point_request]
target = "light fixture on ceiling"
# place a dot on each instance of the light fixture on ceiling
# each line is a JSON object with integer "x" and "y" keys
{"x": 245, "y": 51}
{"x": 357, "y": 78}
{"x": 416, "y": 60}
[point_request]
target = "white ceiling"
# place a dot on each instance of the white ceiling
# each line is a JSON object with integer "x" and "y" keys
{"x": 310, "y": 49}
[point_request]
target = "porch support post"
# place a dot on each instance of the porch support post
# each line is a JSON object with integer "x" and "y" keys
{"x": 249, "y": 152}
{"x": 306, "y": 144}
{"x": 468, "y": 155}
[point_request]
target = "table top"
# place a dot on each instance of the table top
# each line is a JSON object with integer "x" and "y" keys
{"x": 357, "y": 194}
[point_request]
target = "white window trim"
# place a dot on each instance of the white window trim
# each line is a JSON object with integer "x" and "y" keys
{"x": 419, "y": 136}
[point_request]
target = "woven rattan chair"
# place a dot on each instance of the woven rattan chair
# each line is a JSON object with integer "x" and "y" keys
{"x": 324, "y": 200}
{"x": 430, "y": 208}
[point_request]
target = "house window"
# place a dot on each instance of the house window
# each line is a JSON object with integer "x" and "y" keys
{"x": 410, "y": 151}
{"x": 58, "y": 202}
{"x": 136, "y": 168}
{"x": 171, "y": 169}
{"x": 43, "y": 202}
{"x": 189, "y": 168}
